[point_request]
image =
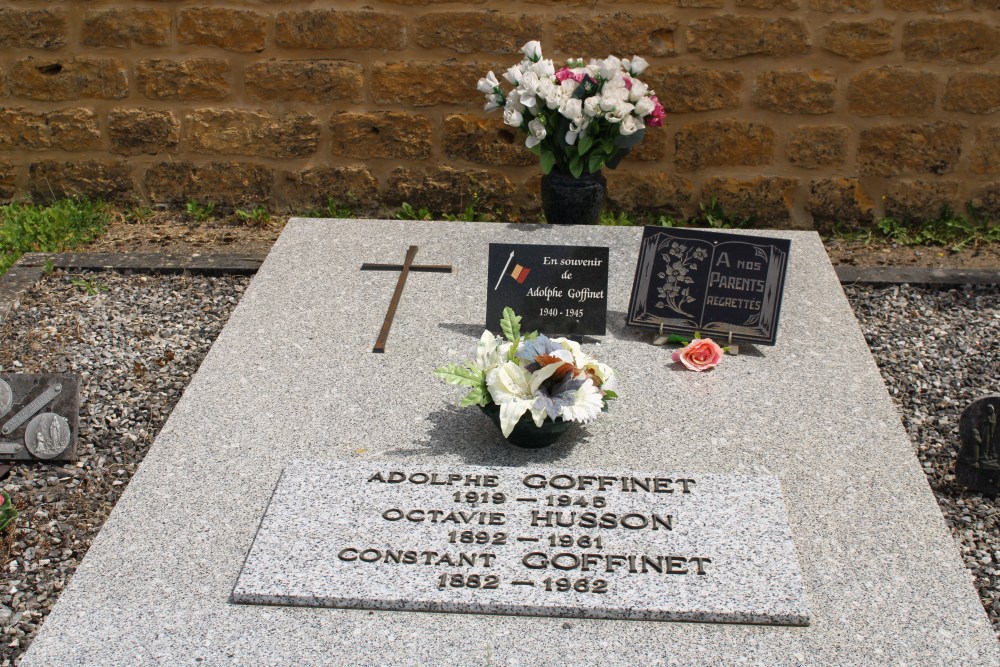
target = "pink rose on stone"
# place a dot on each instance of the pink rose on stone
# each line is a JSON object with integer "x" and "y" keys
{"x": 655, "y": 119}
{"x": 700, "y": 354}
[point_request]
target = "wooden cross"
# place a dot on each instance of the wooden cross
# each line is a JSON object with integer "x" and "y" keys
{"x": 404, "y": 271}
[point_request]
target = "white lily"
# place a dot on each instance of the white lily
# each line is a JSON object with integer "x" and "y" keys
{"x": 486, "y": 352}
{"x": 510, "y": 387}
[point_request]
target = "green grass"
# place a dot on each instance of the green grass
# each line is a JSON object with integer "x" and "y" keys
{"x": 55, "y": 228}
{"x": 257, "y": 216}
{"x": 949, "y": 229}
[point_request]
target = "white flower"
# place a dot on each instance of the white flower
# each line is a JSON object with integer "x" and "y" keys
{"x": 630, "y": 125}
{"x": 544, "y": 68}
{"x": 510, "y": 387}
{"x": 618, "y": 113}
{"x": 527, "y": 89}
{"x": 488, "y": 83}
{"x": 592, "y": 106}
{"x": 638, "y": 91}
{"x": 532, "y": 51}
{"x": 512, "y": 116}
{"x": 492, "y": 102}
{"x": 486, "y": 351}
{"x": 608, "y": 68}
{"x": 571, "y": 108}
{"x": 644, "y": 107}
{"x": 636, "y": 66}
{"x": 575, "y": 128}
{"x": 513, "y": 74}
{"x": 536, "y": 132}
{"x": 586, "y": 406}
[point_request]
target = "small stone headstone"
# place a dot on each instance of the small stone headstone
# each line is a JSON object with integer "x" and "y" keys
{"x": 39, "y": 416}
{"x": 978, "y": 464}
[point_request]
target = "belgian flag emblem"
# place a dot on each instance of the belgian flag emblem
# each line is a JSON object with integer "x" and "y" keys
{"x": 519, "y": 273}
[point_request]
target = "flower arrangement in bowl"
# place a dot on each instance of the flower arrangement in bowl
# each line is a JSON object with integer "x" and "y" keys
{"x": 577, "y": 119}
{"x": 532, "y": 386}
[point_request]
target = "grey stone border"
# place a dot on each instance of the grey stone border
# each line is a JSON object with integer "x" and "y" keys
{"x": 31, "y": 267}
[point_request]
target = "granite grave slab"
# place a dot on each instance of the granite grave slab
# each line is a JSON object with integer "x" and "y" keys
{"x": 292, "y": 377}
{"x": 584, "y": 544}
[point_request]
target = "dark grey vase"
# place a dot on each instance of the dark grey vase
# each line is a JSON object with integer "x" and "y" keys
{"x": 573, "y": 201}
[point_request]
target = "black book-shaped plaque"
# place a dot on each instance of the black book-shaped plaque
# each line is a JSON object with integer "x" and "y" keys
{"x": 717, "y": 284}
{"x": 556, "y": 289}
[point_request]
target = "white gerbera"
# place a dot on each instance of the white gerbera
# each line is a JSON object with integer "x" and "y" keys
{"x": 587, "y": 404}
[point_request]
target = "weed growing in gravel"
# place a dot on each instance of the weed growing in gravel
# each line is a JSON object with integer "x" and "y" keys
{"x": 407, "y": 212}
{"x": 139, "y": 214}
{"x": 710, "y": 214}
{"x": 255, "y": 217}
{"x": 471, "y": 213}
{"x": 198, "y": 212}
{"x": 332, "y": 209}
{"x": 55, "y": 228}
{"x": 89, "y": 285}
{"x": 949, "y": 229}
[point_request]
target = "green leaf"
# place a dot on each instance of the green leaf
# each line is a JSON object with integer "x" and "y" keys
{"x": 474, "y": 397}
{"x": 608, "y": 395}
{"x": 510, "y": 324}
{"x": 460, "y": 375}
{"x": 548, "y": 161}
{"x": 595, "y": 162}
{"x": 576, "y": 166}
{"x": 584, "y": 143}
{"x": 536, "y": 149}
{"x": 678, "y": 339}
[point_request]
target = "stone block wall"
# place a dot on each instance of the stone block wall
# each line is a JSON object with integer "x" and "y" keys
{"x": 801, "y": 112}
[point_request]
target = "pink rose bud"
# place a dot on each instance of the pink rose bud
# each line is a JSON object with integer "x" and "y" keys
{"x": 700, "y": 354}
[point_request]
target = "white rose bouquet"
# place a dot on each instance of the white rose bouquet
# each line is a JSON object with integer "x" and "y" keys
{"x": 579, "y": 118}
{"x": 544, "y": 377}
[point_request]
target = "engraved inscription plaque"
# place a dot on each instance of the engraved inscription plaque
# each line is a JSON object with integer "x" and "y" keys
{"x": 527, "y": 541}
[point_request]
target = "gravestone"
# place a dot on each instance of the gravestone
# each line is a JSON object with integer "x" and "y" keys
{"x": 291, "y": 393}
{"x": 585, "y": 544}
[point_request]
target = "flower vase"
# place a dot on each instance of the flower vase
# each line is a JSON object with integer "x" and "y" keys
{"x": 573, "y": 201}
{"x": 526, "y": 434}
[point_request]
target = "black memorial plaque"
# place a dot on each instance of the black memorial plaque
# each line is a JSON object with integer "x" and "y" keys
{"x": 978, "y": 463}
{"x": 720, "y": 285}
{"x": 555, "y": 289}
{"x": 39, "y": 416}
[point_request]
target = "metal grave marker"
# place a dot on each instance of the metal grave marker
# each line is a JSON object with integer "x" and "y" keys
{"x": 555, "y": 289}
{"x": 533, "y": 541}
{"x": 404, "y": 271}
{"x": 728, "y": 286}
{"x": 39, "y": 416}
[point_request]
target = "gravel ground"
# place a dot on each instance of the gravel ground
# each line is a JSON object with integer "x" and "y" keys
{"x": 137, "y": 340}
